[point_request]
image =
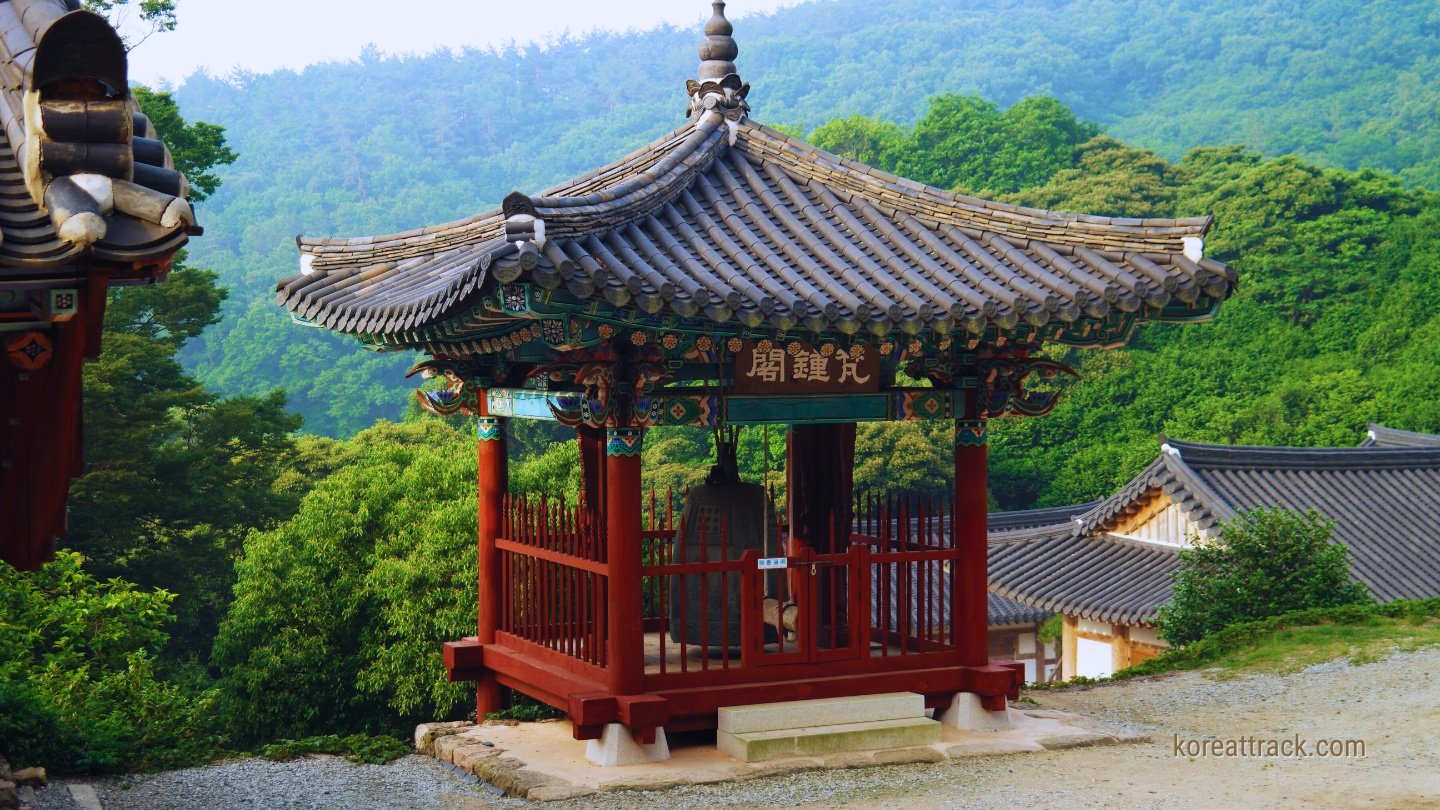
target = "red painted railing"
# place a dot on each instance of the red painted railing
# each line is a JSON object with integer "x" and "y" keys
{"x": 887, "y": 597}
{"x": 552, "y": 565}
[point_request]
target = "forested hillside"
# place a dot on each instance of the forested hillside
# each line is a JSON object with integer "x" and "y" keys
{"x": 202, "y": 487}
{"x": 383, "y": 144}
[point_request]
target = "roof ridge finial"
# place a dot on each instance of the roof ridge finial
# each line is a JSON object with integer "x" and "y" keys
{"x": 719, "y": 88}
{"x": 718, "y": 50}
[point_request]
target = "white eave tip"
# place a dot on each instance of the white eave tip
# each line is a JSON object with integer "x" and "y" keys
{"x": 307, "y": 264}
{"x": 1194, "y": 248}
{"x": 1166, "y": 448}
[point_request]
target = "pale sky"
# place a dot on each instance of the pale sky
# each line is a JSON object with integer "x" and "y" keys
{"x": 264, "y": 35}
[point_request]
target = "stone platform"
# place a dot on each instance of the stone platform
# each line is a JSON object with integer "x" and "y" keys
{"x": 542, "y": 762}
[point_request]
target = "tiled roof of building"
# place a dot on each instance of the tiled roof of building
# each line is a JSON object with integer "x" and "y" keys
{"x": 1007, "y": 611}
{"x": 1383, "y": 498}
{"x": 727, "y": 222}
{"x": 1385, "y": 502}
{"x": 1381, "y": 436}
{"x": 82, "y": 171}
{"x": 1102, "y": 578}
{"x": 1001, "y": 523}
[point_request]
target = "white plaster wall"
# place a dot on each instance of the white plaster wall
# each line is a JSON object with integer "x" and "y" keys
{"x": 1094, "y": 659}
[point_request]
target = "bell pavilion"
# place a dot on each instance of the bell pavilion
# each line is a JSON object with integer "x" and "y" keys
{"x": 730, "y": 275}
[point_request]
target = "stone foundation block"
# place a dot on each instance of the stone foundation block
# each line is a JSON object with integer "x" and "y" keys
{"x": 966, "y": 714}
{"x": 616, "y": 747}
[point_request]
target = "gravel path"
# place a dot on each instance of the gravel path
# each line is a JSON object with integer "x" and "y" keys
{"x": 309, "y": 783}
{"x": 1392, "y": 705}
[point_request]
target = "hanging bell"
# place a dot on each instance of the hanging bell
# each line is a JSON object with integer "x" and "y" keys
{"x": 723, "y": 518}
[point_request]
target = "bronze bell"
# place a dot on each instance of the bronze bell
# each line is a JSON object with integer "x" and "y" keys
{"x": 723, "y": 518}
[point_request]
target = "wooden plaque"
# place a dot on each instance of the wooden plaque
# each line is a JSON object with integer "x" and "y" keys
{"x": 799, "y": 368}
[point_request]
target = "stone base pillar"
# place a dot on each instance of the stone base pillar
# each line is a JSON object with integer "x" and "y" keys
{"x": 617, "y": 747}
{"x": 966, "y": 714}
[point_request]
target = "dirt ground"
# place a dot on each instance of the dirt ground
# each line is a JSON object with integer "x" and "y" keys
{"x": 1393, "y": 706}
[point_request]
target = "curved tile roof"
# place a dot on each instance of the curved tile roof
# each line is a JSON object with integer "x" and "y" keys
{"x": 82, "y": 171}
{"x": 1103, "y": 578}
{"x": 1007, "y": 611}
{"x": 1381, "y": 436}
{"x": 1383, "y": 498}
{"x": 1385, "y": 502}
{"x": 726, "y": 222}
{"x": 1003, "y": 523}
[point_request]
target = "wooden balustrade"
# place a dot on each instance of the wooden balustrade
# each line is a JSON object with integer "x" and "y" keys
{"x": 888, "y": 594}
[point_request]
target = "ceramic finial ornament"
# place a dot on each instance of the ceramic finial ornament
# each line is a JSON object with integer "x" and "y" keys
{"x": 718, "y": 50}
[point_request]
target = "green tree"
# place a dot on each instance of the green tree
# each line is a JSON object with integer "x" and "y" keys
{"x": 339, "y": 612}
{"x": 1108, "y": 178}
{"x": 872, "y": 142}
{"x": 175, "y": 475}
{"x": 148, "y": 17}
{"x": 1265, "y": 562}
{"x": 968, "y": 144}
{"x": 78, "y": 687}
{"x": 196, "y": 147}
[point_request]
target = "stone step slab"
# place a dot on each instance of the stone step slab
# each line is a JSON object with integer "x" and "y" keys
{"x": 811, "y": 741}
{"x": 822, "y": 712}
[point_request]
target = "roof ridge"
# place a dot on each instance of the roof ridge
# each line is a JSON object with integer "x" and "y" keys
{"x": 1379, "y": 435}
{"x": 1364, "y": 457}
{"x": 1152, "y": 234}
{"x": 637, "y": 193}
{"x": 487, "y": 225}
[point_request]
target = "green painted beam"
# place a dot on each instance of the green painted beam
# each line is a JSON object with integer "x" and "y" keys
{"x": 810, "y": 410}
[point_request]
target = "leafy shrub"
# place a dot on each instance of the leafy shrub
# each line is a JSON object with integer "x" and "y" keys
{"x": 127, "y": 719}
{"x": 374, "y": 749}
{"x": 525, "y": 709}
{"x": 78, "y": 688}
{"x": 1266, "y": 562}
{"x": 30, "y": 725}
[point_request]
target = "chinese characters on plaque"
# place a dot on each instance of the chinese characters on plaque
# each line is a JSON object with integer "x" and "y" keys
{"x": 797, "y": 368}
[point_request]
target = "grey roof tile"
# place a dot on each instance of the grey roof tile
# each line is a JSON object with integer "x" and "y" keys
{"x": 778, "y": 228}
{"x": 1384, "y": 498}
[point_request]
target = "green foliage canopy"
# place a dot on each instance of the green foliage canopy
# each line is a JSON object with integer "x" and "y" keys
{"x": 339, "y": 613}
{"x": 78, "y": 686}
{"x": 1266, "y": 562}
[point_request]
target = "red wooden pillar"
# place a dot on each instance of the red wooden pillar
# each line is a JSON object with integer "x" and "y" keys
{"x": 819, "y": 489}
{"x": 41, "y": 448}
{"x": 969, "y": 606}
{"x": 592, "y": 477}
{"x": 625, "y": 645}
{"x": 493, "y": 455}
{"x": 819, "y": 485}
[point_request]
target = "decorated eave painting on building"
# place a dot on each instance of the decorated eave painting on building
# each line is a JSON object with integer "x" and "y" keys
{"x": 726, "y": 242}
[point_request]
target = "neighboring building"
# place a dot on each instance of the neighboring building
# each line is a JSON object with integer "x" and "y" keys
{"x": 1108, "y": 569}
{"x": 1014, "y": 636}
{"x": 1015, "y": 627}
{"x": 89, "y": 200}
